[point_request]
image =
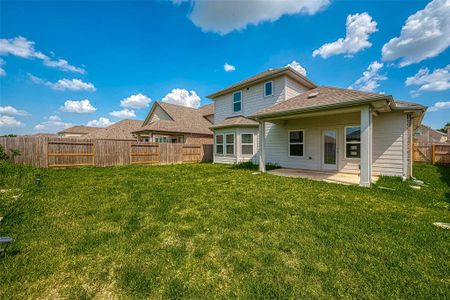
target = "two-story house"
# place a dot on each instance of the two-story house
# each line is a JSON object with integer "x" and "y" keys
{"x": 282, "y": 117}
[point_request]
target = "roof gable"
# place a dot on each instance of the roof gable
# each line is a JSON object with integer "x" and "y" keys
{"x": 121, "y": 130}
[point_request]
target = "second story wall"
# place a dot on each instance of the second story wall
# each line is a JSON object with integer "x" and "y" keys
{"x": 293, "y": 88}
{"x": 253, "y": 100}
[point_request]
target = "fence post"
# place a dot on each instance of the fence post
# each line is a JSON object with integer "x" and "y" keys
{"x": 433, "y": 150}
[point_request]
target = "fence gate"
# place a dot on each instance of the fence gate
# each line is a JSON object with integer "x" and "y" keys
{"x": 142, "y": 154}
{"x": 70, "y": 154}
{"x": 191, "y": 153}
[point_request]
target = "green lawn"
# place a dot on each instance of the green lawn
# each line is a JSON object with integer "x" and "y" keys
{"x": 211, "y": 231}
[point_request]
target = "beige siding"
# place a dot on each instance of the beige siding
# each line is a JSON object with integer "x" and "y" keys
{"x": 252, "y": 100}
{"x": 293, "y": 88}
{"x": 277, "y": 142}
{"x": 159, "y": 114}
{"x": 210, "y": 118}
{"x": 387, "y": 151}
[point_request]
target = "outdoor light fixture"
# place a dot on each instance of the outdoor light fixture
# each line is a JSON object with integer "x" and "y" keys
{"x": 37, "y": 180}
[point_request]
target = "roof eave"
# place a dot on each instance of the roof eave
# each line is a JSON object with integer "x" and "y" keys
{"x": 285, "y": 71}
{"x": 369, "y": 100}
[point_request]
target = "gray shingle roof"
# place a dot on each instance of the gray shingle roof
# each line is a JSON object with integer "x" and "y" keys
{"x": 264, "y": 76}
{"x": 121, "y": 130}
{"x": 237, "y": 121}
{"x": 185, "y": 120}
{"x": 78, "y": 129}
{"x": 322, "y": 96}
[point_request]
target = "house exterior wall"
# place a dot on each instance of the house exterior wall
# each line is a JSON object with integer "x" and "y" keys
{"x": 158, "y": 114}
{"x": 293, "y": 88}
{"x": 252, "y": 100}
{"x": 237, "y": 157}
{"x": 198, "y": 139}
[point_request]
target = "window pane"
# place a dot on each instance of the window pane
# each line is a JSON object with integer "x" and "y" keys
{"x": 237, "y": 106}
{"x": 219, "y": 149}
{"x": 353, "y": 134}
{"x": 353, "y": 150}
{"x": 296, "y": 150}
{"x": 247, "y": 149}
{"x": 296, "y": 137}
{"x": 268, "y": 88}
{"x": 230, "y": 149}
{"x": 230, "y": 139}
{"x": 219, "y": 139}
{"x": 247, "y": 138}
{"x": 237, "y": 97}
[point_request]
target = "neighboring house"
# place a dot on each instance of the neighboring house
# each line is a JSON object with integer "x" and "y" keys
{"x": 279, "y": 116}
{"x": 426, "y": 135}
{"x": 122, "y": 130}
{"x": 170, "y": 123}
{"x": 76, "y": 131}
{"x": 448, "y": 133}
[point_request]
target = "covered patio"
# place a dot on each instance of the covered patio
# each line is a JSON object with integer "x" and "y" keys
{"x": 327, "y": 176}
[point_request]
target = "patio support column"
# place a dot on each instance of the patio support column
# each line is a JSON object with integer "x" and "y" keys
{"x": 365, "y": 177}
{"x": 262, "y": 150}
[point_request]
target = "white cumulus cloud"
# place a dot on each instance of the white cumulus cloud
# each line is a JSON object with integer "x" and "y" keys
{"x": 65, "y": 84}
{"x": 78, "y": 107}
{"x": 183, "y": 97}
{"x": 101, "y": 122}
{"x": 9, "y": 122}
{"x": 2, "y": 71}
{"x": 297, "y": 67}
{"x": 358, "y": 29}
{"x": 52, "y": 124}
{"x": 123, "y": 114}
{"x": 229, "y": 68}
{"x": 438, "y": 80}
{"x": 440, "y": 105}
{"x": 223, "y": 17}
{"x": 425, "y": 34}
{"x": 370, "y": 79}
{"x": 12, "y": 111}
{"x": 21, "y": 47}
{"x": 136, "y": 101}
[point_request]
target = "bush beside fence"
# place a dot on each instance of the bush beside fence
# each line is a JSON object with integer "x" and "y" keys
{"x": 56, "y": 152}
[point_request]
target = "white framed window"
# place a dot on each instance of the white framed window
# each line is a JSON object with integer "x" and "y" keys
{"x": 237, "y": 101}
{"x": 296, "y": 145}
{"x": 247, "y": 143}
{"x": 219, "y": 144}
{"x": 352, "y": 142}
{"x": 229, "y": 144}
{"x": 268, "y": 88}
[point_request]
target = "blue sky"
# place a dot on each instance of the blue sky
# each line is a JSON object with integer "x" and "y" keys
{"x": 95, "y": 62}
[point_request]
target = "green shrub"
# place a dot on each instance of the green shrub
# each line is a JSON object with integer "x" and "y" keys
{"x": 249, "y": 165}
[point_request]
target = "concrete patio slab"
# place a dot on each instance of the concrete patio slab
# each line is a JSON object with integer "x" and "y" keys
{"x": 334, "y": 177}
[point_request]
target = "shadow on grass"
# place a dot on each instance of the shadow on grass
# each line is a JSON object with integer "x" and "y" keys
{"x": 444, "y": 172}
{"x": 254, "y": 167}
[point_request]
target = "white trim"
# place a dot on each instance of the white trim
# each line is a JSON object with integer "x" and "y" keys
{"x": 264, "y": 89}
{"x": 226, "y": 144}
{"x": 247, "y": 144}
{"x": 323, "y": 165}
{"x": 296, "y": 143}
{"x": 356, "y": 143}
{"x": 223, "y": 144}
{"x": 232, "y": 102}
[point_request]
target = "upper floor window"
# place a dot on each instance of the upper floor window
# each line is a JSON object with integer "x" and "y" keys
{"x": 268, "y": 88}
{"x": 352, "y": 142}
{"x": 237, "y": 101}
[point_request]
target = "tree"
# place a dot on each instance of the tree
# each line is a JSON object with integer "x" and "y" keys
{"x": 443, "y": 128}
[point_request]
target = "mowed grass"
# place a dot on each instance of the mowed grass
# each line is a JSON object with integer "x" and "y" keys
{"x": 211, "y": 231}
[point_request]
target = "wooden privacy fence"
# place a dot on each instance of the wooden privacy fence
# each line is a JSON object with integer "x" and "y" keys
{"x": 53, "y": 152}
{"x": 432, "y": 153}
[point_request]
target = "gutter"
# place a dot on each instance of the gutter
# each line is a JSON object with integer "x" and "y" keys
{"x": 388, "y": 100}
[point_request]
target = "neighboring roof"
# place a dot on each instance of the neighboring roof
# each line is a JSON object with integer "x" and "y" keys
{"x": 320, "y": 97}
{"x": 79, "y": 129}
{"x": 121, "y": 130}
{"x": 434, "y": 135}
{"x": 44, "y": 135}
{"x": 263, "y": 76}
{"x": 236, "y": 121}
{"x": 405, "y": 105}
{"x": 184, "y": 120}
{"x": 207, "y": 110}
